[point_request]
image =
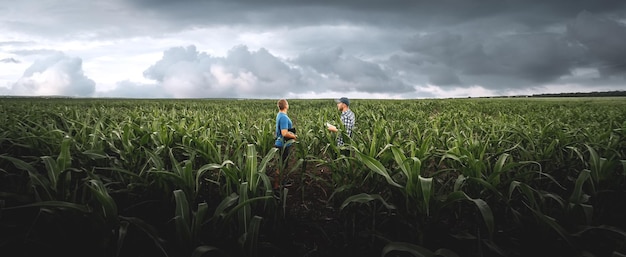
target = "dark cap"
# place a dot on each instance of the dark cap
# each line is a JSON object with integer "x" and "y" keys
{"x": 343, "y": 100}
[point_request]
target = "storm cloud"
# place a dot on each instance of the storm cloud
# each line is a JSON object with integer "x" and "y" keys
{"x": 302, "y": 49}
{"x": 603, "y": 39}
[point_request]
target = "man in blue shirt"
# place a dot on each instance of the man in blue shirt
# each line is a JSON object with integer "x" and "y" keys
{"x": 284, "y": 128}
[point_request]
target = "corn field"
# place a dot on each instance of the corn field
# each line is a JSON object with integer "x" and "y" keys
{"x": 435, "y": 177}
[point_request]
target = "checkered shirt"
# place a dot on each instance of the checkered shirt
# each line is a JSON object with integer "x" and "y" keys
{"x": 348, "y": 120}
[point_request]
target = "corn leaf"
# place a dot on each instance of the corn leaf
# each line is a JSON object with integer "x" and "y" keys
{"x": 364, "y": 198}
{"x": 482, "y": 206}
{"x": 414, "y": 250}
{"x": 377, "y": 167}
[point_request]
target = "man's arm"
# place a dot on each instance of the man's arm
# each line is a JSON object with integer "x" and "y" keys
{"x": 283, "y": 124}
{"x": 288, "y": 135}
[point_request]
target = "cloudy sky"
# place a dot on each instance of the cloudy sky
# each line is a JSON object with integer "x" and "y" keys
{"x": 310, "y": 49}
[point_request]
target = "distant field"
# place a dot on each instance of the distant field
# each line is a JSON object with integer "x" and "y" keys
{"x": 599, "y": 99}
{"x": 471, "y": 177}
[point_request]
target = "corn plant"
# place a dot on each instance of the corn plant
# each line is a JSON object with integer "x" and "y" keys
{"x": 255, "y": 173}
{"x": 188, "y": 222}
{"x": 550, "y": 171}
{"x": 415, "y": 250}
{"x": 185, "y": 176}
{"x": 372, "y": 210}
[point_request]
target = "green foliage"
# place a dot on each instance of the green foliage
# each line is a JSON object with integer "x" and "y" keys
{"x": 498, "y": 173}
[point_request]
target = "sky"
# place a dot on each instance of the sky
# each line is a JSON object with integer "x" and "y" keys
{"x": 305, "y": 49}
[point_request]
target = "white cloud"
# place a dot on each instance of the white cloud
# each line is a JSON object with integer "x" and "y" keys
{"x": 54, "y": 75}
{"x": 472, "y": 91}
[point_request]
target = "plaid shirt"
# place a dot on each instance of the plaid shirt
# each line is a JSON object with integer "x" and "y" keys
{"x": 348, "y": 119}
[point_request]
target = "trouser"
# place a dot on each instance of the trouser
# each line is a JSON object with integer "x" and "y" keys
{"x": 282, "y": 166}
{"x": 284, "y": 154}
{"x": 344, "y": 151}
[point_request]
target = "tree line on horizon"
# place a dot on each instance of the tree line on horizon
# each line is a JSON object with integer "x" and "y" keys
{"x": 572, "y": 94}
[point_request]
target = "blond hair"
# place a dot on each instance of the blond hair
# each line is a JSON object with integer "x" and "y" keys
{"x": 282, "y": 104}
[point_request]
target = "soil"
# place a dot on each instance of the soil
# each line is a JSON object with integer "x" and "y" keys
{"x": 312, "y": 226}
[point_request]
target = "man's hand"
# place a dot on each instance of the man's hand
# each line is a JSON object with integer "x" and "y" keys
{"x": 332, "y": 128}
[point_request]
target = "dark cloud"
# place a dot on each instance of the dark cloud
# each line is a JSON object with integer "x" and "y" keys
{"x": 444, "y": 77}
{"x": 536, "y": 57}
{"x": 525, "y": 59}
{"x": 605, "y": 42}
{"x": 311, "y": 47}
{"x": 258, "y": 14}
{"x": 120, "y": 18}
{"x": 349, "y": 73}
{"x": 393, "y": 13}
{"x": 320, "y": 59}
{"x": 265, "y": 66}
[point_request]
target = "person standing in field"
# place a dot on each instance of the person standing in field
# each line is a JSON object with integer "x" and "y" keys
{"x": 284, "y": 133}
{"x": 347, "y": 118}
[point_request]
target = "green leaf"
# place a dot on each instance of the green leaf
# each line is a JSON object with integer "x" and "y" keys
{"x": 458, "y": 183}
{"x": 577, "y": 196}
{"x": 33, "y": 175}
{"x": 182, "y": 217}
{"x": 364, "y": 198}
{"x": 245, "y": 204}
{"x": 199, "y": 218}
{"x": 156, "y": 161}
{"x": 499, "y": 168}
{"x": 487, "y": 185}
{"x": 122, "y": 231}
{"x": 95, "y": 154}
{"x": 268, "y": 157}
{"x": 377, "y": 167}
{"x": 53, "y": 171}
{"x": 245, "y": 214}
{"x": 22, "y": 165}
{"x": 214, "y": 166}
{"x": 109, "y": 207}
{"x": 427, "y": 188}
{"x": 445, "y": 253}
{"x": 251, "y": 166}
{"x": 400, "y": 159}
{"x": 252, "y": 236}
{"x": 552, "y": 223}
{"x": 54, "y": 205}
{"x": 412, "y": 249}
{"x": 148, "y": 230}
{"x": 203, "y": 249}
{"x": 227, "y": 202}
{"x": 482, "y": 206}
{"x": 64, "y": 160}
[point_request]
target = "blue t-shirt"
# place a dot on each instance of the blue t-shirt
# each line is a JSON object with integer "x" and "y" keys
{"x": 282, "y": 122}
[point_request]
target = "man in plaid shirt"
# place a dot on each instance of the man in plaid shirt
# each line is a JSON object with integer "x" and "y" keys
{"x": 347, "y": 118}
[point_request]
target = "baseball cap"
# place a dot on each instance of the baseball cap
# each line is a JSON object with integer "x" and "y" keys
{"x": 343, "y": 100}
